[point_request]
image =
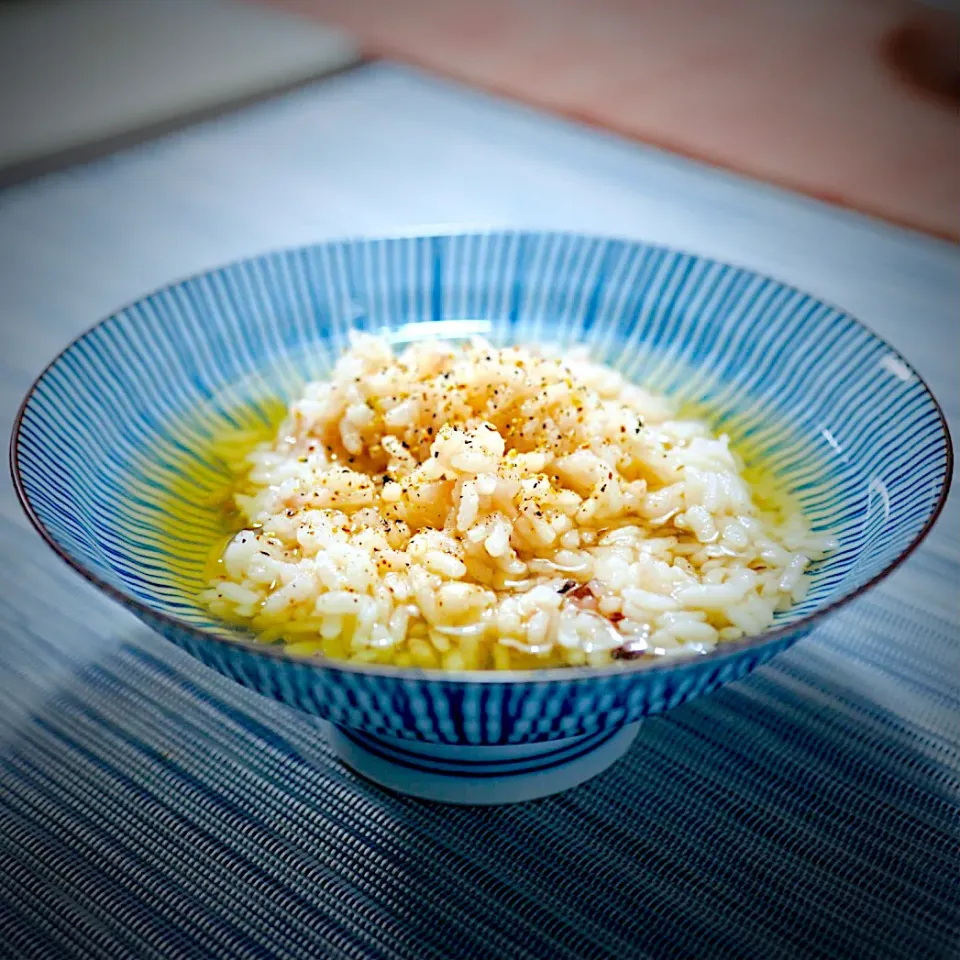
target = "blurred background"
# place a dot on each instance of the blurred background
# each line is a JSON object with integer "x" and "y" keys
{"x": 855, "y": 102}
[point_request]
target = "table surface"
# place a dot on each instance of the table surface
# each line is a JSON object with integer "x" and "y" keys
{"x": 804, "y": 95}
{"x": 82, "y": 73}
{"x": 150, "y": 808}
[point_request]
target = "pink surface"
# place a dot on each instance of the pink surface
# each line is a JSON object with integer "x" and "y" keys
{"x": 797, "y": 92}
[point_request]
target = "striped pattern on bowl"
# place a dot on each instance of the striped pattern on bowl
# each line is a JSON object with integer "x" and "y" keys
{"x": 844, "y": 422}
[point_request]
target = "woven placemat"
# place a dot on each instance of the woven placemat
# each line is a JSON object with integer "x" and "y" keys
{"x": 151, "y": 809}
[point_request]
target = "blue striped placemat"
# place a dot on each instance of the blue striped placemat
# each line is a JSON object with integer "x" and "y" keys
{"x": 150, "y": 808}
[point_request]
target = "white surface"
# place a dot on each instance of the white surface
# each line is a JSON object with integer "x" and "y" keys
{"x": 77, "y": 71}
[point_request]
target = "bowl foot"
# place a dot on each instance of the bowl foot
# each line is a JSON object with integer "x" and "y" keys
{"x": 479, "y": 775}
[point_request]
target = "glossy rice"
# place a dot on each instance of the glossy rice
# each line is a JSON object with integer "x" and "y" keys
{"x": 469, "y": 508}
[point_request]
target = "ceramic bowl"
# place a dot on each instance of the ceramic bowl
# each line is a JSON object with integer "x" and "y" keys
{"x": 128, "y": 411}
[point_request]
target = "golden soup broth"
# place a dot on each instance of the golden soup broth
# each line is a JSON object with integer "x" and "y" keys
{"x": 200, "y": 517}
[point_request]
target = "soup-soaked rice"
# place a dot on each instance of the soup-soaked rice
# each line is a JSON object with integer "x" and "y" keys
{"x": 481, "y": 508}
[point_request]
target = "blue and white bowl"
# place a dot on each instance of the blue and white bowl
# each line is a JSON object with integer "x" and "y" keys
{"x": 867, "y": 456}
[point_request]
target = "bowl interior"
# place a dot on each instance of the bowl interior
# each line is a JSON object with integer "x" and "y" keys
{"x": 116, "y": 452}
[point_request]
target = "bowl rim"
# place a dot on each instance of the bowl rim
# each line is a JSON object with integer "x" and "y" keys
{"x": 625, "y": 669}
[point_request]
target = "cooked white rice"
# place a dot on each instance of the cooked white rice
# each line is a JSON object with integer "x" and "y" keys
{"x": 477, "y": 508}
